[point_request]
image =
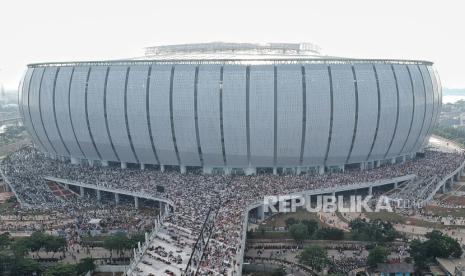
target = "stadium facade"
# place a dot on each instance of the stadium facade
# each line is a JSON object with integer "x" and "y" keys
{"x": 227, "y": 107}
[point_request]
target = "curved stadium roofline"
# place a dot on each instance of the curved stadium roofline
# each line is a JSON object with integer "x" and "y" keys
{"x": 254, "y": 61}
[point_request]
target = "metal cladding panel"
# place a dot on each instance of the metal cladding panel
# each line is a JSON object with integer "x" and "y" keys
{"x": 96, "y": 112}
{"x": 234, "y": 115}
{"x": 438, "y": 80}
{"x": 23, "y": 94}
{"x": 116, "y": 116}
{"x": 159, "y": 111}
{"x": 428, "y": 88}
{"x": 62, "y": 109}
{"x": 78, "y": 112}
{"x": 183, "y": 115}
{"x": 48, "y": 116}
{"x": 438, "y": 92}
{"x": 387, "y": 111}
{"x": 405, "y": 110}
{"x": 343, "y": 114}
{"x": 137, "y": 114}
{"x": 436, "y": 97}
{"x": 208, "y": 111}
{"x": 25, "y": 103}
{"x": 367, "y": 112}
{"x": 418, "y": 115}
{"x": 289, "y": 115}
{"x": 261, "y": 115}
{"x": 318, "y": 114}
{"x": 34, "y": 109}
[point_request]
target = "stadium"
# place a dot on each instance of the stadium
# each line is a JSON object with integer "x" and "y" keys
{"x": 232, "y": 107}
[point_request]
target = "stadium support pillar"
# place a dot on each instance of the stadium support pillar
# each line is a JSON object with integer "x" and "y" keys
{"x": 342, "y": 168}
{"x": 363, "y": 166}
{"x": 261, "y": 212}
{"x": 162, "y": 168}
{"x": 116, "y": 198}
{"x": 99, "y": 196}
{"x": 444, "y": 188}
{"x": 227, "y": 171}
{"x": 250, "y": 171}
{"x": 81, "y": 191}
{"x": 370, "y": 190}
{"x": 321, "y": 169}
{"x": 377, "y": 163}
{"x": 298, "y": 170}
{"x": 74, "y": 161}
{"x": 403, "y": 159}
{"x": 395, "y": 185}
{"x": 142, "y": 166}
{"x": 67, "y": 186}
{"x": 275, "y": 171}
{"x": 207, "y": 170}
{"x": 104, "y": 163}
{"x": 183, "y": 169}
{"x": 136, "y": 202}
{"x": 124, "y": 165}
{"x": 393, "y": 161}
{"x": 90, "y": 162}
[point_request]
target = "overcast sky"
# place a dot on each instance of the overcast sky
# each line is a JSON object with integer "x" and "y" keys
{"x": 59, "y": 30}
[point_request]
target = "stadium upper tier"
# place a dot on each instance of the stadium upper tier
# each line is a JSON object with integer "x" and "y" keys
{"x": 232, "y": 113}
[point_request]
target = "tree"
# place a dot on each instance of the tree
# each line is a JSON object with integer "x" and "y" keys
{"x": 117, "y": 242}
{"x": 85, "y": 265}
{"x": 312, "y": 226}
{"x": 61, "y": 269}
{"x": 290, "y": 221}
{"x": 330, "y": 233}
{"x": 314, "y": 256}
{"x": 377, "y": 255}
{"x": 278, "y": 272}
{"x": 375, "y": 230}
{"x": 436, "y": 245}
{"x": 298, "y": 232}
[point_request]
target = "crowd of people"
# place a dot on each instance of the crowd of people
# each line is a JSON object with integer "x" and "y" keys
{"x": 194, "y": 194}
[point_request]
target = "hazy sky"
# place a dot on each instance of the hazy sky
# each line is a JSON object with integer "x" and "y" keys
{"x": 60, "y": 30}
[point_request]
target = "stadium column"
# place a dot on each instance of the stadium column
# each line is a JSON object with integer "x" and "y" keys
{"x": 74, "y": 161}
{"x": 116, "y": 198}
{"x": 162, "y": 168}
{"x": 81, "y": 191}
{"x": 393, "y": 160}
{"x": 99, "y": 196}
{"x": 183, "y": 169}
{"x": 260, "y": 212}
{"x": 395, "y": 185}
{"x": 250, "y": 171}
{"x": 104, "y": 163}
{"x": 124, "y": 165}
{"x": 207, "y": 170}
{"x": 275, "y": 171}
{"x": 321, "y": 169}
{"x": 370, "y": 190}
{"x": 142, "y": 166}
{"x": 136, "y": 202}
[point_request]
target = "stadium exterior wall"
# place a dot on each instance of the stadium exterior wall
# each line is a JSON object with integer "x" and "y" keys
{"x": 228, "y": 114}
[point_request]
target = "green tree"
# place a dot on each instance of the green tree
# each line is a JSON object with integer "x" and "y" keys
{"x": 312, "y": 226}
{"x": 330, "y": 233}
{"x": 377, "y": 255}
{"x": 298, "y": 232}
{"x": 117, "y": 242}
{"x": 436, "y": 245}
{"x": 85, "y": 265}
{"x": 314, "y": 256}
{"x": 278, "y": 272}
{"x": 61, "y": 269}
{"x": 290, "y": 221}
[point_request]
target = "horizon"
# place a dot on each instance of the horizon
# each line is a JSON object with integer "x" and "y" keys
{"x": 112, "y": 30}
